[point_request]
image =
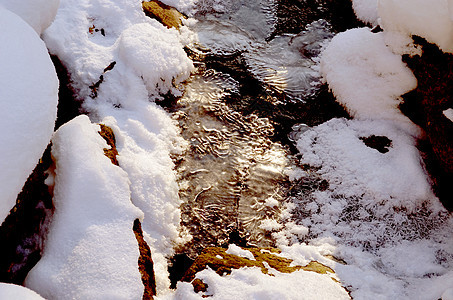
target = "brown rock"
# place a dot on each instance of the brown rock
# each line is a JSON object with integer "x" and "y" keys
{"x": 107, "y": 133}
{"x": 145, "y": 263}
{"x": 163, "y": 13}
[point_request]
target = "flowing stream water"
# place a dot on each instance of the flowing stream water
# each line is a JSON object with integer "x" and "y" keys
{"x": 233, "y": 177}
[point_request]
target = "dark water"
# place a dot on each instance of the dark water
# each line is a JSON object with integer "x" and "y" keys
{"x": 231, "y": 168}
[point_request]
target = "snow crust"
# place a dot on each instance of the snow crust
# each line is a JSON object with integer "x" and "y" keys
{"x": 39, "y": 14}
{"x": 251, "y": 283}
{"x": 12, "y": 291}
{"x": 29, "y": 95}
{"x": 91, "y": 251}
{"x": 429, "y": 19}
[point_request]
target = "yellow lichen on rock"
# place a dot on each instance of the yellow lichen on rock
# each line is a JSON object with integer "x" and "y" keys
{"x": 163, "y": 13}
{"x": 222, "y": 263}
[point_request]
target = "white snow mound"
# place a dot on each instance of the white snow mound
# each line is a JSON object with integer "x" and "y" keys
{"x": 365, "y": 76}
{"x": 28, "y": 104}
{"x": 39, "y": 14}
{"x": 91, "y": 251}
{"x": 238, "y": 251}
{"x": 12, "y": 291}
{"x": 366, "y": 10}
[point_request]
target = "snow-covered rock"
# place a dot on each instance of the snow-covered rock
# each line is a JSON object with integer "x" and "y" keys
{"x": 428, "y": 19}
{"x": 39, "y": 14}
{"x": 91, "y": 251}
{"x": 365, "y": 76}
{"x": 12, "y": 291}
{"x": 28, "y": 104}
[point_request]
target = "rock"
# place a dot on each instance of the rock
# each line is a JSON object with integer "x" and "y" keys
{"x": 23, "y": 231}
{"x": 222, "y": 263}
{"x": 107, "y": 133}
{"x": 68, "y": 105}
{"x": 145, "y": 263}
{"x": 163, "y": 13}
{"x": 425, "y": 106}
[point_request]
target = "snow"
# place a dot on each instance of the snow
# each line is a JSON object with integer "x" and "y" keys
{"x": 185, "y": 6}
{"x": 236, "y": 250}
{"x": 251, "y": 283}
{"x": 366, "y": 77}
{"x": 12, "y": 291}
{"x": 149, "y": 62}
{"x": 448, "y": 294}
{"x": 270, "y": 225}
{"x": 271, "y": 202}
{"x": 29, "y": 95}
{"x": 351, "y": 167}
{"x": 449, "y": 114}
{"x": 429, "y": 19}
{"x": 378, "y": 212}
{"x": 144, "y": 141}
{"x": 91, "y": 251}
{"x": 156, "y": 57}
{"x": 39, "y": 14}
{"x": 366, "y": 10}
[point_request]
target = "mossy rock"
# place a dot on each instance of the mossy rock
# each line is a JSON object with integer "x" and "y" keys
{"x": 210, "y": 257}
{"x": 163, "y": 13}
